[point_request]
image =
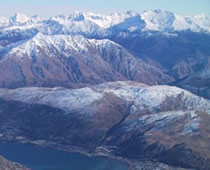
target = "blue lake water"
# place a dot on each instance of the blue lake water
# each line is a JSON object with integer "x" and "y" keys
{"x": 38, "y": 158}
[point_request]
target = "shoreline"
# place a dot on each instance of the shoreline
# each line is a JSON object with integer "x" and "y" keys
{"x": 101, "y": 151}
{"x": 72, "y": 149}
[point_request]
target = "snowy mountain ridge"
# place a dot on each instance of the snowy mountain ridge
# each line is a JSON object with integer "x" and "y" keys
{"x": 142, "y": 96}
{"x": 87, "y": 22}
{"x": 64, "y": 43}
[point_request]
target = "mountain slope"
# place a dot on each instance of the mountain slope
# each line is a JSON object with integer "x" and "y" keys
{"x": 63, "y": 60}
{"x": 179, "y": 55}
{"x": 8, "y": 165}
{"x": 126, "y": 119}
{"x": 198, "y": 83}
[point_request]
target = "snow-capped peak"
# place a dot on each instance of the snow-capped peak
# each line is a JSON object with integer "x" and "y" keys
{"x": 65, "y": 44}
{"x": 158, "y": 20}
{"x": 51, "y": 43}
{"x": 77, "y": 16}
{"x": 19, "y": 18}
{"x": 105, "y": 21}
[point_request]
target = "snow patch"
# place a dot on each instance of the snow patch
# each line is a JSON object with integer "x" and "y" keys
{"x": 64, "y": 99}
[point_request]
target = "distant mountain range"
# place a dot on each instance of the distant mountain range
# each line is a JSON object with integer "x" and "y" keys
{"x": 92, "y": 23}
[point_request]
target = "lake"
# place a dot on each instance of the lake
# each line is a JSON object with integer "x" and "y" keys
{"x": 38, "y": 158}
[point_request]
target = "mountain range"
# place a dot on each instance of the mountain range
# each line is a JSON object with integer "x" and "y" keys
{"x": 152, "y": 47}
{"x": 86, "y": 22}
{"x": 129, "y": 85}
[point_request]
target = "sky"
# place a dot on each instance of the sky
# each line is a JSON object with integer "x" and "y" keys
{"x": 56, "y": 7}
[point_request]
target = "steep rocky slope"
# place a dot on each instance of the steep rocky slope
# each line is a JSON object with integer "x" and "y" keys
{"x": 8, "y": 165}
{"x": 125, "y": 119}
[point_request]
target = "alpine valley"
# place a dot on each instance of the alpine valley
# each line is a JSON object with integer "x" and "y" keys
{"x": 130, "y": 86}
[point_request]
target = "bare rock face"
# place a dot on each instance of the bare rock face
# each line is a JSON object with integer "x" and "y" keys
{"x": 8, "y": 165}
{"x": 125, "y": 119}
